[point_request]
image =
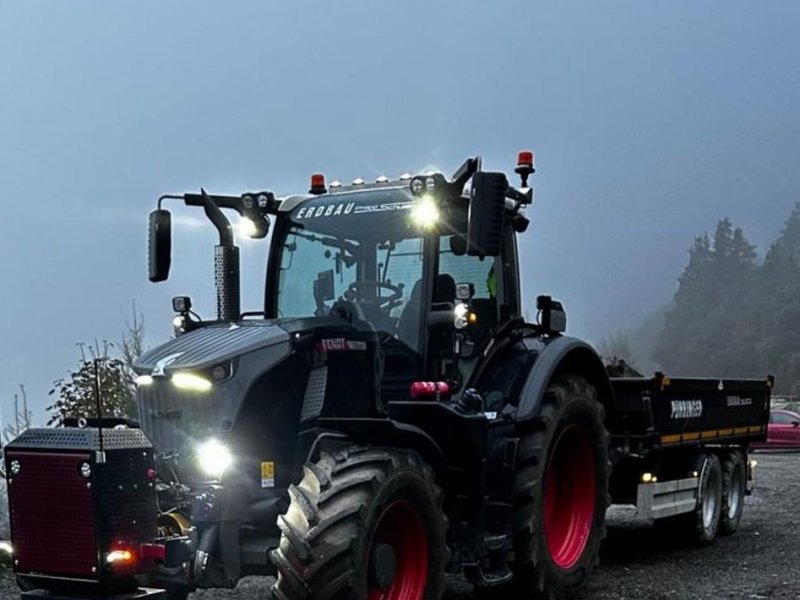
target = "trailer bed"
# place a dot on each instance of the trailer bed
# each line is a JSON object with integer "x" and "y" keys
{"x": 661, "y": 411}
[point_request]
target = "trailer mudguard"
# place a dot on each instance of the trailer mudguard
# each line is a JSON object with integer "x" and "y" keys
{"x": 561, "y": 354}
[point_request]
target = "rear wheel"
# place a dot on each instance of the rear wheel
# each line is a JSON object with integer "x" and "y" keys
{"x": 734, "y": 485}
{"x": 561, "y": 492}
{"x": 363, "y": 524}
{"x": 701, "y": 525}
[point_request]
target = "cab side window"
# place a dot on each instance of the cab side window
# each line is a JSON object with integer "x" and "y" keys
{"x": 468, "y": 269}
{"x": 463, "y": 268}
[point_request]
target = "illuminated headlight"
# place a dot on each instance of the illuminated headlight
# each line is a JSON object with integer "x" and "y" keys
{"x": 6, "y": 547}
{"x": 179, "y": 325}
{"x": 425, "y": 213}
{"x": 191, "y": 382}
{"x": 144, "y": 380}
{"x": 462, "y": 313}
{"x": 214, "y": 457}
{"x": 255, "y": 227}
{"x": 247, "y": 227}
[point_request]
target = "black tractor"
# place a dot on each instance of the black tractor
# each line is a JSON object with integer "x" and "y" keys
{"x": 387, "y": 417}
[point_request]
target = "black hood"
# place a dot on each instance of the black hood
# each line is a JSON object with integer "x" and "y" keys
{"x": 209, "y": 346}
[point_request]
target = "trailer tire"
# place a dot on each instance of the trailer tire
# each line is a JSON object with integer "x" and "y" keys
{"x": 363, "y": 524}
{"x": 734, "y": 487}
{"x": 700, "y": 526}
{"x": 556, "y": 550}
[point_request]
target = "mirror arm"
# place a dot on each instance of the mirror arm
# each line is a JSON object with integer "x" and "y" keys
{"x": 518, "y": 196}
{"x": 438, "y": 318}
{"x": 465, "y": 171}
{"x": 231, "y": 202}
{"x": 168, "y": 197}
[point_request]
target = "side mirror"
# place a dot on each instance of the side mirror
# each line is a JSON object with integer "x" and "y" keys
{"x": 796, "y": 423}
{"x": 486, "y": 214}
{"x": 160, "y": 245}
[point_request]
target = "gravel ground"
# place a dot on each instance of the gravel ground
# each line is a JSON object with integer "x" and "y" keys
{"x": 762, "y": 560}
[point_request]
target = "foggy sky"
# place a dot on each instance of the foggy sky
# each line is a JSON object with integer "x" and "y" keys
{"x": 649, "y": 120}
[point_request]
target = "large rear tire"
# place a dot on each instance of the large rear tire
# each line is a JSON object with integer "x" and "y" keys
{"x": 363, "y": 524}
{"x": 561, "y": 492}
{"x": 734, "y": 487}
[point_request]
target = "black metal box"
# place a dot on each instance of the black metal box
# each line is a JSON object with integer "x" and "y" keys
{"x": 79, "y": 515}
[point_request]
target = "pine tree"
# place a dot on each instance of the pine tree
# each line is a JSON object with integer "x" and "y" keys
{"x": 709, "y": 314}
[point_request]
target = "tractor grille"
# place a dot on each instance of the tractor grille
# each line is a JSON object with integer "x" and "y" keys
{"x": 52, "y": 516}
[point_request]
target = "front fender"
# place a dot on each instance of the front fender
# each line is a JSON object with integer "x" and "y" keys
{"x": 381, "y": 432}
{"x": 561, "y": 355}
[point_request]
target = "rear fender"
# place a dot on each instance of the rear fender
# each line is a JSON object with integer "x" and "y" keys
{"x": 561, "y": 355}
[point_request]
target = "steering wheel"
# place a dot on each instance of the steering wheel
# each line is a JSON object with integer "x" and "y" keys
{"x": 355, "y": 291}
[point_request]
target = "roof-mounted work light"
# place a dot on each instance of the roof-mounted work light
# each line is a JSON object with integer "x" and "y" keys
{"x": 427, "y": 184}
{"x": 425, "y": 212}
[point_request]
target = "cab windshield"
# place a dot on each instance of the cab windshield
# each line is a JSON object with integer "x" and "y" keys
{"x": 359, "y": 256}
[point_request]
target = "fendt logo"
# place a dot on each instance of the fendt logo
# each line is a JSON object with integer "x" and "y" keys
{"x": 158, "y": 371}
{"x": 687, "y": 409}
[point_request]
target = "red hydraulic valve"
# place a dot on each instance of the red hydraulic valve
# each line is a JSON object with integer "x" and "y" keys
{"x": 426, "y": 389}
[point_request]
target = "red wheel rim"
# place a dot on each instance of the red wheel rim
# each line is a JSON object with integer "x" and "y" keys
{"x": 569, "y": 497}
{"x": 401, "y": 527}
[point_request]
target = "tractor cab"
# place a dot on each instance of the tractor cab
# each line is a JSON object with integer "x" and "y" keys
{"x": 426, "y": 264}
{"x": 385, "y": 259}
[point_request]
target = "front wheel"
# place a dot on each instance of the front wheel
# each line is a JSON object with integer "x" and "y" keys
{"x": 363, "y": 524}
{"x": 561, "y": 492}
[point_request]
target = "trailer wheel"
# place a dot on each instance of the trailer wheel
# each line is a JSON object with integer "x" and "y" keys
{"x": 561, "y": 491}
{"x": 734, "y": 485}
{"x": 363, "y": 524}
{"x": 701, "y": 525}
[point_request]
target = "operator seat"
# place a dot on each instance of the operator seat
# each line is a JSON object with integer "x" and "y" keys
{"x": 444, "y": 291}
{"x": 408, "y": 324}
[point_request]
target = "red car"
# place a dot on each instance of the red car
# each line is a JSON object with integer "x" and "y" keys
{"x": 783, "y": 430}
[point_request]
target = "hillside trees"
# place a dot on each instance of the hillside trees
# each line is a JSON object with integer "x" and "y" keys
{"x": 733, "y": 316}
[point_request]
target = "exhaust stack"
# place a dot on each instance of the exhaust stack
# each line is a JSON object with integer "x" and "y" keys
{"x": 226, "y": 264}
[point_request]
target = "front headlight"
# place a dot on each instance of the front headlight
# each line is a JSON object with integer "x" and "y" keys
{"x": 191, "y": 382}
{"x": 214, "y": 457}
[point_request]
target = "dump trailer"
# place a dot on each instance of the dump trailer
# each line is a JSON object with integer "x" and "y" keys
{"x": 386, "y": 417}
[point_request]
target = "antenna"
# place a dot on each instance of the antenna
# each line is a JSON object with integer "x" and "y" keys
{"x": 100, "y": 457}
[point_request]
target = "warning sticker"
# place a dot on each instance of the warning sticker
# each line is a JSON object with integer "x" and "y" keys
{"x": 267, "y": 474}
